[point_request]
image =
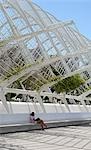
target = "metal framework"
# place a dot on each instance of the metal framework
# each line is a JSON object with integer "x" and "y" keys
{"x": 33, "y": 43}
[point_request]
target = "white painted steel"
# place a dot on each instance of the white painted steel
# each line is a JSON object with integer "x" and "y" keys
{"x": 32, "y": 44}
{"x": 24, "y": 118}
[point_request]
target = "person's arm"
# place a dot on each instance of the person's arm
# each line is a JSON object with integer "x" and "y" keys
{"x": 32, "y": 119}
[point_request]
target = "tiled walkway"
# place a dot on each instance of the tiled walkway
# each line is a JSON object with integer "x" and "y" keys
{"x": 64, "y": 138}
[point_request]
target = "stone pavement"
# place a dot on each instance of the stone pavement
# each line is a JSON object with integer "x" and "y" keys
{"x": 63, "y": 138}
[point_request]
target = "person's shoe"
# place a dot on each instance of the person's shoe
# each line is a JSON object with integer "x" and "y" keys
{"x": 42, "y": 129}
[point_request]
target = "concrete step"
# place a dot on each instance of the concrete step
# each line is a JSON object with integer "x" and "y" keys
{"x": 29, "y": 126}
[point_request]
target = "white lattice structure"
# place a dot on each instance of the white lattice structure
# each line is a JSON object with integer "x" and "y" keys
{"x": 33, "y": 46}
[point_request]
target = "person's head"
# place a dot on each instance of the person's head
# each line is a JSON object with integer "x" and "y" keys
{"x": 32, "y": 114}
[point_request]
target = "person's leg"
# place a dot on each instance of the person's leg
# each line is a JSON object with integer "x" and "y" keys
{"x": 42, "y": 127}
{"x": 43, "y": 124}
{"x": 39, "y": 122}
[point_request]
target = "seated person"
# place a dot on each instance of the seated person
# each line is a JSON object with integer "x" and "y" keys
{"x": 32, "y": 117}
{"x": 38, "y": 120}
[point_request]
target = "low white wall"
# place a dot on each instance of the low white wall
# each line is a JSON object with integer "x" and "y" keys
{"x": 23, "y": 107}
{"x": 24, "y": 118}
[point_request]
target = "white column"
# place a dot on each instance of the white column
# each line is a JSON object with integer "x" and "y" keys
{"x": 41, "y": 103}
{"x": 83, "y": 103}
{"x": 3, "y": 99}
{"x": 26, "y": 97}
{"x": 65, "y": 102}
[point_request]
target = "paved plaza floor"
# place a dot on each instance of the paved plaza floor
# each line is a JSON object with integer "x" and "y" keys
{"x": 63, "y": 138}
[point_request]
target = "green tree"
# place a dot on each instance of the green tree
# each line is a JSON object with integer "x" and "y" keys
{"x": 68, "y": 84}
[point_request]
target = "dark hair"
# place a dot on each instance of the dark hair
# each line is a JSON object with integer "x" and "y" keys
{"x": 32, "y": 114}
{"x": 38, "y": 119}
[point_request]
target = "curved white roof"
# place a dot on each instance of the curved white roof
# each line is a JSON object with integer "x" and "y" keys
{"x": 30, "y": 35}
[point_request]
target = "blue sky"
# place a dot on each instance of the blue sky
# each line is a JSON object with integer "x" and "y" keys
{"x": 77, "y": 10}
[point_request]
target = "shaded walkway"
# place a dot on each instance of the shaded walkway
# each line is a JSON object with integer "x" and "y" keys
{"x": 65, "y": 138}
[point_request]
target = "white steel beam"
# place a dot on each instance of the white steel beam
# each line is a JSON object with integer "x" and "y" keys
{"x": 3, "y": 99}
{"x": 38, "y": 97}
{"x": 36, "y": 67}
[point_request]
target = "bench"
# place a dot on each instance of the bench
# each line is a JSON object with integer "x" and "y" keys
{"x": 11, "y": 128}
{"x": 20, "y": 122}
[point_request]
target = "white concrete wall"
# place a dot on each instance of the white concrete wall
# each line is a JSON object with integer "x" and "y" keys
{"x": 20, "y": 112}
{"x": 22, "y": 107}
{"x": 24, "y": 118}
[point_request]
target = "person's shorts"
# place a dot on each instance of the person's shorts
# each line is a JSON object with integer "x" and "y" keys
{"x": 39, "y": 121}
